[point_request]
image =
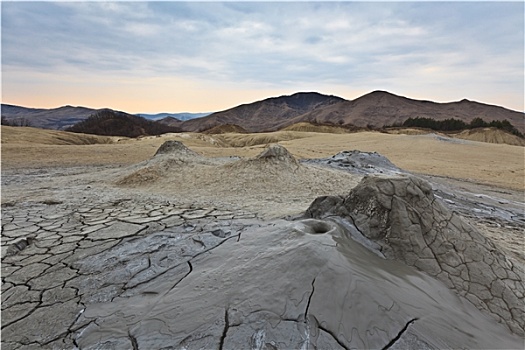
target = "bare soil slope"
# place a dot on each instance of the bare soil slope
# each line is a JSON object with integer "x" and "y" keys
{"x": 380, "y": 108}
{"x": 490, "y": 135}
{"x": 226, "y": 128}
{"x": 25, "y": 135}
{"x": 309, "y": 127}
{"x": 264, "y": 115}
{"x": 376, "y": 109}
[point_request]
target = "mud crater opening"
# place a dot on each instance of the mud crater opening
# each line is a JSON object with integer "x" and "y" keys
{"x": 317, "y": 227}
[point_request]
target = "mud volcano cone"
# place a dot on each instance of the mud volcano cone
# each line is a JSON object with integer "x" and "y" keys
{"x": 277, "y": 154}
{"x": 401, "y": 216}
{"x": 172, "y": 147}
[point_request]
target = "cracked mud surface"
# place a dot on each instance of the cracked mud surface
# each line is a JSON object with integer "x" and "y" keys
{"x": 402, "y": 215}
{"x": 79, "y": 256}
{"x": 89, "y": 264}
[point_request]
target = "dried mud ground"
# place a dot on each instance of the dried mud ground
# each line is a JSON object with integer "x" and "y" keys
{"x": 49, "y": 176}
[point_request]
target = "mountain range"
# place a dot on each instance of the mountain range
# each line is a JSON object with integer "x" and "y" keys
{"x": 64, "y": 117}
{"x": 376, "y": 109}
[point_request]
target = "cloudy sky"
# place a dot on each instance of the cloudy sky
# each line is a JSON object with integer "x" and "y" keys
{"x": 198, "y": 57}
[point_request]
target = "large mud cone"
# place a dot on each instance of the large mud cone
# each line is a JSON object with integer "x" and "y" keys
{"x": 277, "y": 153}
{"x": 175, "y": 148}
{"x": 402, "y": 216}
{"x": 275, "y": 163}
{"x": 171, "y": 154}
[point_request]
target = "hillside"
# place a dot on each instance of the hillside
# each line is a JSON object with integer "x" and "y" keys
{"x": 178, "y": 116}
{"x": 309, "y": 127}
{"x": 27, "y": 136}
{"x": 170, "y": 121}
{"x": 265, "y": 115}
{"x": 490, "y": 135}
{"x": 111, "y": 123}
{"x": 225, "y": 129}
{"x": 376, "y": 109}
{"x": 380, "y": 108}
{"x": 63, "y": 117}
{"x": 55, "y": 118}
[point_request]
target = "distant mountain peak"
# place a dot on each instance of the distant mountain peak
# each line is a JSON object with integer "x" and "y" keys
{"x": 381, "y": 92}
{"x": 305, "y": 100}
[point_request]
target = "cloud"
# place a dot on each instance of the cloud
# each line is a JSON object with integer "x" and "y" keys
{"x": 402, "y": 46}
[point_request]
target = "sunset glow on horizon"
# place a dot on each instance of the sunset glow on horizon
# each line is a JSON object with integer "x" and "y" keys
{"x": 143, "y": 57}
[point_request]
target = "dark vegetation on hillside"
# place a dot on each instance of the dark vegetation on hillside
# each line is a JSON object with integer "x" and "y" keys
{"x": 111, "y": 123}
{"x": 452, "y": 124}
{"x": 16, "y": 122}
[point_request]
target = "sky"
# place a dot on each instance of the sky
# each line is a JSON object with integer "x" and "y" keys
{"x": 153, "y": 57}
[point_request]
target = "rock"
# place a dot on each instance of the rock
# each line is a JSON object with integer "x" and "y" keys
{"x": 401, "y": 214}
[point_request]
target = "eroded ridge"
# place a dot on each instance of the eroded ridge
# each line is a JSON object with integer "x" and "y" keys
{"x": 401, "y": 214}
{"x": 58, "y": 259}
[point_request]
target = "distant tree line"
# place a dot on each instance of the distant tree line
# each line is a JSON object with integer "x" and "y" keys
{"x": 452, "y": 124}
{"x": 112, "y": 123}
{"x": 16, "y": 122}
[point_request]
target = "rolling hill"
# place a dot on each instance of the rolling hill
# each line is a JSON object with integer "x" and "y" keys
{"x": 373, "y": 110}
{"x": 111, "y": 123}
{"x": 55, "y": 118}
{"x": 380, "y": 108}
{"x": 266, "y": 115}
{"x": 376, "y": 109}
{"x": 63, "y": 117}
{"x": 178, "y": 116}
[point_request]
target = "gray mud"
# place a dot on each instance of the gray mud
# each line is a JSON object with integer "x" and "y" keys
{"x": 292, "y": 286}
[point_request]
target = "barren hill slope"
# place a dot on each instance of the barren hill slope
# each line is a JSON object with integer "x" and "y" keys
{"x": 490, "y": 135}
{"x": 55, "y": 118}
{"x": 170, "y": 121}
{"x": 33, "y": 136}
{"x": 376, "y": 109}
{"x": 380, "y": 108}
{"x": 265, "y": 115}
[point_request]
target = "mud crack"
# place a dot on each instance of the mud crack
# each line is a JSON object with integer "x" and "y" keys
{"x": 225, "y": 330}
{"x": 400, "y": 334}
{"x": 133, "y": 340}
{"x": 309, "y": 300}
{"x": 341, "y": 344}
